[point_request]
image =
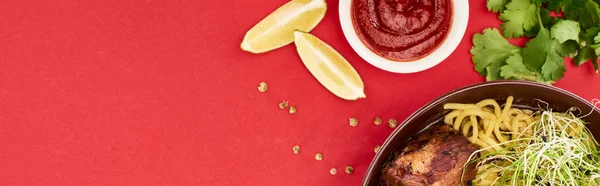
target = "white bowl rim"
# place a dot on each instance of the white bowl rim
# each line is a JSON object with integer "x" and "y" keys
{"x": 458, "y": 27}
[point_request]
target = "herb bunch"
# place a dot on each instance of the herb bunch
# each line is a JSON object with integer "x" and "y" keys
{"x": 556, "y": 29}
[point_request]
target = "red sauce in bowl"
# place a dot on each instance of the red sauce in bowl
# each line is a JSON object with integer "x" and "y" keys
{"x": 402, "y": 30}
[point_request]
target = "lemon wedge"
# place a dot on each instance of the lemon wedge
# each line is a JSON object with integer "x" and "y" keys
{"x": 277, "y": 29}
{"x": 329, "y": 67}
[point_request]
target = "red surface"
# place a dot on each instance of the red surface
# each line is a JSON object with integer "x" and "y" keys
{"x": 159, "y": 93}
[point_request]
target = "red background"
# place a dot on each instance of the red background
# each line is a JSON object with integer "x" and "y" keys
{"x": 159, "y": 93}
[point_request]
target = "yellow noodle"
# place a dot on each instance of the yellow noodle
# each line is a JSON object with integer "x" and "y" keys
{"x": 499, "y": 135}
{"x": 492, "y": 102}
{"x": 475, "y": 127}
{"x": 450, "y": 116}
{"x": 458, "y": 106}
{"x": 515, "y": 125}
{"x": 490, "y": 141}
{"x": 491, "y": 127}
{"x": 459, "y": 119}
{"x": 514, "y": 111}
{"x": 485, "y": 182}
{"x": 591, "y": 141}
{"x": 479, "y": 142}
{"x": 507, "y": 106}
{"x": 509, "y": 117}
{"x": 528, "y": 112}
{"x": 487, "y": 109}
{"x": 486, "y": 124}
{"x": 465, "y": 128}
{"x": 528, "y": 119}
{"x": 504, "y": 113}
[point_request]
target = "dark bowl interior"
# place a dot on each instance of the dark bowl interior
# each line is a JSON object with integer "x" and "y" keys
{"x": 526, "y": 94}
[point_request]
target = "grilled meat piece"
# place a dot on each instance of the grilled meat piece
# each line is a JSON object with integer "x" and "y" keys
{"x": 435, "y": 157}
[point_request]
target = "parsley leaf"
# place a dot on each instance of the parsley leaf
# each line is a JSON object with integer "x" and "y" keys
{"x": 490, "y": 51}
{"x": 516, "y": 69}
{"x": 519, "y": 16}
{"x": 496, "y": 5}
{"x": 540, "y": 55}
{"x": 566, "y": 30}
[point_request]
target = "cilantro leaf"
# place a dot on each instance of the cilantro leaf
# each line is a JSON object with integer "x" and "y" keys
{"x": 596, "y": 48}
{"x": 547, "y": 21}
{"x": 539, "y": 2}
{"x": 565, "y": 30}
{"x": 519, "y": 16}
{"x": 496, "y": 5}
{"x": 584, "y": 55}
{"x": 493, "y": 71}
{"x": 590, "y": 52}
{"x": 567, "y": 48}
{"x": 554, "y": 5}
{"x": 535, "y": 50}
{"x": 586, "y": 12}
{"x": 596, "y": 68}
{"x": 540, "y": 55}
{"x": 490, "y": 51}
{"x": 554, "y": 68}
{"x": 590, "y": 34}
{"x": 516, "y": 69}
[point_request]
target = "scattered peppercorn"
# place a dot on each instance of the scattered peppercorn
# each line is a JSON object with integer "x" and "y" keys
{"x": 377, "y": 121}
{"x": 318, "y": 156}
{"x": 296, "y": 149}
{"x": 393, "y": 123}
{"x": 377, "y": 148}
{"x": 263, "y": 87}
{"x": 283, "y": 105}
{"x": 353, "y": 122}
{"x": 333, "y": 171}
{"x": 349, "y": 169}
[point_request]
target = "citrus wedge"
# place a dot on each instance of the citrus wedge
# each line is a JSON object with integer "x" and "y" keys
{"x": 329, "y": 67}
{"x": 277, "y": 29}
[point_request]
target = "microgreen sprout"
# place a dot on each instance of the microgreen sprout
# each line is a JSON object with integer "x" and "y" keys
{"x": 560, "y": 150}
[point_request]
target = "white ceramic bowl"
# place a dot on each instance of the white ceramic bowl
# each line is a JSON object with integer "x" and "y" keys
{"x": 457, "y": 31}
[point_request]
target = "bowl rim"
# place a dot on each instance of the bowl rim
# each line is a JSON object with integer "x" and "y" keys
{"x": 445, "y": 97}
{"x": 460, "y": 19}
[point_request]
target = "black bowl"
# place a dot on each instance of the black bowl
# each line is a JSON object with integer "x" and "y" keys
{"x": 526, "y": 94}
